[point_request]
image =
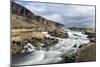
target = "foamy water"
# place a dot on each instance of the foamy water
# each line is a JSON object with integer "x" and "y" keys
{"x": 65, "y": 47}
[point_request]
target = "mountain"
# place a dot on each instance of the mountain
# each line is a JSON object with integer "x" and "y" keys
{"x": 22, "y": 17}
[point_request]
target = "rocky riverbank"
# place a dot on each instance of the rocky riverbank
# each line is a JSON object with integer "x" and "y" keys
{"x": 64, "y": 50}
{"x": 18, "y": 46}
{"x": 21, "y": 37}
{"x": 89, "y": 52}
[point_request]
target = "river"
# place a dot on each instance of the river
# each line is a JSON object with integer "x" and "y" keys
{"x": 65, "y": 47}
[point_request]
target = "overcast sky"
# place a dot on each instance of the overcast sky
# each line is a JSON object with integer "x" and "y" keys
{"x": 69, "y": 15}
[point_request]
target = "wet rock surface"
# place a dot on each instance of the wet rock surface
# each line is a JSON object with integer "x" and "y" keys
{"x": 46, "y": 41}
{"x": 91, "y": 36}
{"x": 18, "y": 46}
{"x": 58, "y": 33}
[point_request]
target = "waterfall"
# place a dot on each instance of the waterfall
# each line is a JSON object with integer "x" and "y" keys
{"x": 65, "y": 47}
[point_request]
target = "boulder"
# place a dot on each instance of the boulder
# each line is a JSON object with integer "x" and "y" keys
{"x": 58, "y": 33}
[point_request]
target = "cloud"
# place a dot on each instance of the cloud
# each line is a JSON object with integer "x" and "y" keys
{"x": 69, "y": 15}
{"x": 54, "y": 17}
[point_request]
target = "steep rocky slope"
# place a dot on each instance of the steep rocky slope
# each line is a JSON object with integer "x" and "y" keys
{"x": 21, "y": 17}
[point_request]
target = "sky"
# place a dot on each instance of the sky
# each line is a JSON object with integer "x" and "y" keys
{"x": 67, "y": 14}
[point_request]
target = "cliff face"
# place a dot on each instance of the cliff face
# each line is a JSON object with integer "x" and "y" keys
{"x": 21, "y": 17}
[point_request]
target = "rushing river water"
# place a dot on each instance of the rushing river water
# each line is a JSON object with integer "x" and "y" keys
{"x": 65, "y": 47}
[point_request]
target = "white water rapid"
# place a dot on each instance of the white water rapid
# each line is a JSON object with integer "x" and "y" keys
{"x": 65, "y": 47}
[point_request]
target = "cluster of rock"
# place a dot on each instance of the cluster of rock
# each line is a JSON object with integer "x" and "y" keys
{"x": 46, "y": 41}
{"x": 59, "y": 33}
{"x": 49, "y": 41}
{"x": 18, "y": 46}
{"x": 91, "y": 36}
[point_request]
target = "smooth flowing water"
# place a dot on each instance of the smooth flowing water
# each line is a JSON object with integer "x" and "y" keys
{"x": 65, "y": 47}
